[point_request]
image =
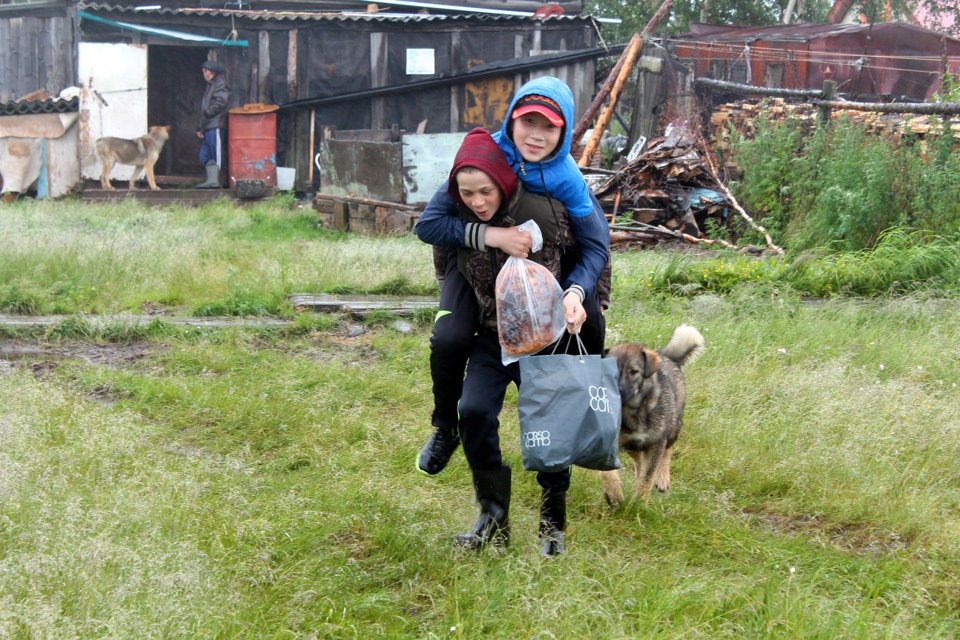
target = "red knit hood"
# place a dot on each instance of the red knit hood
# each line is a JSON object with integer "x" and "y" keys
{"x": 479, "y": 150}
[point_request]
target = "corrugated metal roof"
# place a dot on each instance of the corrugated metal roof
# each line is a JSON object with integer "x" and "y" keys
{"x": 320, "y": 16}
{"x": 163, "y": 33}
{"x": 51, "y": 105}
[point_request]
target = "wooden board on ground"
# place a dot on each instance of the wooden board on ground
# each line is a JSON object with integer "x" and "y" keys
{"x": 360, "y": 305}
{"x": 164, "y": 197}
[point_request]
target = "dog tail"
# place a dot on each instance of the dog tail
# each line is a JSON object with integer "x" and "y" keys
{"x": 685, "y": 346}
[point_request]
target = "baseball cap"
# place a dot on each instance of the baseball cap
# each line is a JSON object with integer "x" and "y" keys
{"x": 543, "y": 105}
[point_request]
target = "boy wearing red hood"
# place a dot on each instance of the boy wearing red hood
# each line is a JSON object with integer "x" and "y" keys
{"x": 488, "y": 192}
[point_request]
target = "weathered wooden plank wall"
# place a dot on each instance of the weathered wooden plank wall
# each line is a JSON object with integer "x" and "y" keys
{"x": 37, "y": 52}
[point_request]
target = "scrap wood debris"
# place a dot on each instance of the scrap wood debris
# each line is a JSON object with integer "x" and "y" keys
{"x": 668, "y": 192}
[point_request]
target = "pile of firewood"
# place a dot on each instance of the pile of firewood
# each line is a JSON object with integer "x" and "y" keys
{"x": 743, "y": 116}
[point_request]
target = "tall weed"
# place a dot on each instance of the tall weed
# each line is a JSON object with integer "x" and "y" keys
{"x": 928, "y": 185}
{"x": 850, "y": 189}
{"x": 769, "y": 161}
{"x": 841, "y": 187}
{"x": 903, "y": 260}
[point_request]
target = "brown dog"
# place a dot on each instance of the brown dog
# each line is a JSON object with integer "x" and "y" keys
{"x": 141, "y": 152}
{"x": 653, "y": 393}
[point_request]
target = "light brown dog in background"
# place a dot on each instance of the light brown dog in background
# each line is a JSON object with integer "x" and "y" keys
{"x": 653, "y": 393}
{"x": 141, "y": 152}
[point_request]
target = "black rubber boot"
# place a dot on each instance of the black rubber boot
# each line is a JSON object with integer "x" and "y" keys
{"x": 437, "y": 452}
{"x": 492, "y": 487}
{"x": 553, "y": 520}
{"x": 213, "y": 176}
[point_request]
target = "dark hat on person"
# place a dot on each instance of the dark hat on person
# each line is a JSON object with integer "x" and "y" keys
{"x": 214, "y": 66}
{"x": 543, "y": 105}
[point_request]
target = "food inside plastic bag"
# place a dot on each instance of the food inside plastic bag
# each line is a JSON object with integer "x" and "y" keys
{"x": 529, "y": 305}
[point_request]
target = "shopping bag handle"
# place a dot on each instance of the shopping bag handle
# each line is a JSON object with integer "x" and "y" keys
{"x": 582, "y": 350}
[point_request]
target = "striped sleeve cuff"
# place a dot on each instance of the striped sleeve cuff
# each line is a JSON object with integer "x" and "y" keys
{"x": 473, "y": 236}
{"x": 577, "y": 289}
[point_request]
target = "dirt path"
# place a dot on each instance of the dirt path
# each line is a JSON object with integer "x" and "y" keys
{"x": 42, "y": 356}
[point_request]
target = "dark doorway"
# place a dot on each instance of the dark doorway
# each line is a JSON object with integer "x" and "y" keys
{"x": 175, "y": 89}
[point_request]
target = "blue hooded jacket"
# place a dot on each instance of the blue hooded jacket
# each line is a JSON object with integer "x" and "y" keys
{"x": 557, "y": 176}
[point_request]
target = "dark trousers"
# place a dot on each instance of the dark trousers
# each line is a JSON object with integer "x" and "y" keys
{"x": 453, "y": 331}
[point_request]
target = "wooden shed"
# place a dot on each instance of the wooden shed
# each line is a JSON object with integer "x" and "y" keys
{"x": 325, "y": 69}
{"x": 869, "y": 62}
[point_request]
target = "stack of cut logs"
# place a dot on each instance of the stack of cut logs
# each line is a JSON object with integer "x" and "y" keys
{"x": 743, "y": 116}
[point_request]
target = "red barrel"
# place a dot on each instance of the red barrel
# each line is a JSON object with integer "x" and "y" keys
{"x": 252, "y": 144}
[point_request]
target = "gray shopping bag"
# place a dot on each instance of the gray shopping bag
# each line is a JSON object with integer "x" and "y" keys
{"x": 569, "y": 408}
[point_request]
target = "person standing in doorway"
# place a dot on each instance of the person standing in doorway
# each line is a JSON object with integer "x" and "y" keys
{"x": 213, "y": 122}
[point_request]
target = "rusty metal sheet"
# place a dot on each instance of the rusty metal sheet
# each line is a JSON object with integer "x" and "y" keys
{"x": 361, "y": 169}
{"x": 485, "y": 103}
{"x": 884, "y": 60}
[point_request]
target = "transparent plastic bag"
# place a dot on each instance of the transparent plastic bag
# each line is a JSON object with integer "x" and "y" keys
{"x": 529, "y": 304}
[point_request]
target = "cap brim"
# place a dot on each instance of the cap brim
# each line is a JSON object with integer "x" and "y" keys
{"x": 549, "y": 114}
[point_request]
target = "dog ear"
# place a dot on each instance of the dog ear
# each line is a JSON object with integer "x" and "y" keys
{"x": 651, "y": 362}
{"x": 606, "y": 352}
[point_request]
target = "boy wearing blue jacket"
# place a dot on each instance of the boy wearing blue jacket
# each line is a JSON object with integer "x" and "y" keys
{"x": 536, "y": 137}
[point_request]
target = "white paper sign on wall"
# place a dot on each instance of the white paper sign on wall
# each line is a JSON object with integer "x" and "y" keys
{"x": 420, "y": 62}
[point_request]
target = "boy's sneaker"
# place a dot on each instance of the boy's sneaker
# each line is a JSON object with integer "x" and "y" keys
{"x": 436, "y": 453}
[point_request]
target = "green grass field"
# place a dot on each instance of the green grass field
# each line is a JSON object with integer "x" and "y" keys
{"x": 176, "y": 482}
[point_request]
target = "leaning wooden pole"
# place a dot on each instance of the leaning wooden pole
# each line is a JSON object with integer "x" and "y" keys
{"x": 602, "y": 94}
{"x": 607, "y": 87}
{"x": 607, "y": 113}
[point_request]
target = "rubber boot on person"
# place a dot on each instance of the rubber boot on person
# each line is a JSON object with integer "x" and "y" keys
{"x": 213, "y": 176}
{"x": 492, "y": 489}
{"x": 553, "y": 520}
